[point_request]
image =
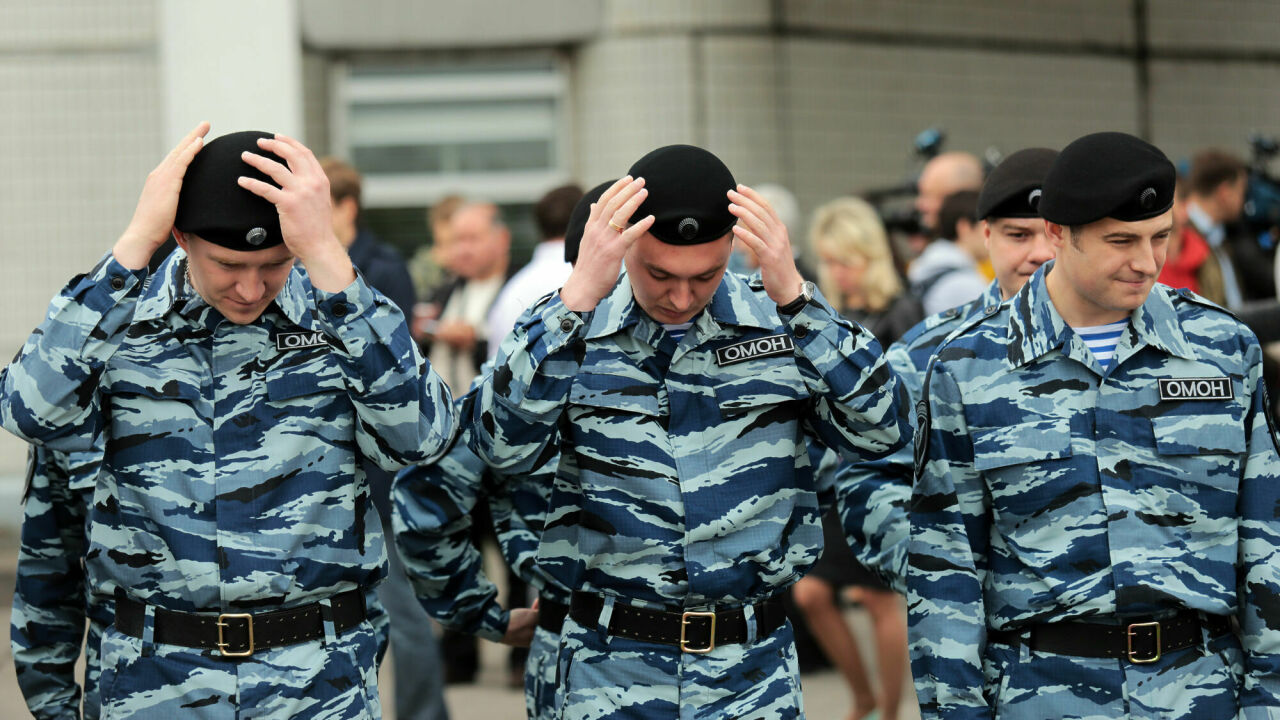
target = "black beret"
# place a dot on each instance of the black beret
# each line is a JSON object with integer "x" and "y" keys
{"x": 1108, "y": 174}
{"x": 688, "y": 194}
{"x": 578, "y": 221}
{"x": 1012, "y": 190}
{"x": 214, "y": 207}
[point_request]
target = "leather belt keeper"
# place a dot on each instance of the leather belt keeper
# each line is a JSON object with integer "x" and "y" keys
{"x": 1138, "y": 640}
{"x": 240, "y": 634}
{"x": 551, "y": 615}
{"x": 692, "y": 631}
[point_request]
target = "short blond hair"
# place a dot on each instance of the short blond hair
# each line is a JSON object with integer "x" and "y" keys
{"x": 850, "y": 225}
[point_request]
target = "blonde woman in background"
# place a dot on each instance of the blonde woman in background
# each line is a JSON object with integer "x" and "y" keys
{"x": 856, "y": 270}
{"x": 857, "y": 275}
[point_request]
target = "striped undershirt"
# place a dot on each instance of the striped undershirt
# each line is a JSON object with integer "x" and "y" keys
{"x": 1102, "y": 340}
{"x": 677, "y": 331}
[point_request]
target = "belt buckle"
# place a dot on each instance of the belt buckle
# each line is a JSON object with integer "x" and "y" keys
{"x": 222, "y": 644}
{"x": 1131, "y": 632}
{"x": 684, "y": 626}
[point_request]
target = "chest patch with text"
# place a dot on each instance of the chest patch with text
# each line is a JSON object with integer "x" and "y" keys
{"x": 301, "y": 340}
{"x": 752, "y": 349}
{"x": 1196, "y": 388}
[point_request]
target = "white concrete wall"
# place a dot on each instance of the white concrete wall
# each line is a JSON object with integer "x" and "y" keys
{"x": 79, "y": 130}
{"x": 235, "y": 63}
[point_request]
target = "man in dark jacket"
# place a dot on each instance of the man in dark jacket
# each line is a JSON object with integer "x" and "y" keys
{"x": 413, "y": 642}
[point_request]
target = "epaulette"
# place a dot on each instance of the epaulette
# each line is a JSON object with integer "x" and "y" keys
{"x": 1186, "y": 294}
{"x": 976, "y": 317}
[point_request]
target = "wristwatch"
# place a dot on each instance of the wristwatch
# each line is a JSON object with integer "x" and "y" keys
{"x": 807, "y": 291}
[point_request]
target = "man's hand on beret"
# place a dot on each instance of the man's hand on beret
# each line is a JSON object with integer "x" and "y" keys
{"x": 305, "y": 208}
{"x": 760, "y": 228}
{"x": 605, "y": 242}
{"x": 152, "y": 221}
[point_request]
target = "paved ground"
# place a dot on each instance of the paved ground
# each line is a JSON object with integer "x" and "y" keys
{"x": 825, "y": 696}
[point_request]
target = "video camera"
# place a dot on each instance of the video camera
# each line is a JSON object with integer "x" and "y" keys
{"x": 1262, "y": 201}
{"x": 899, "y": 216}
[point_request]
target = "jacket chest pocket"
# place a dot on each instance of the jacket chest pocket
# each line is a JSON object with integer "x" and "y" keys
{"x": 1205, "y": 448}
{"x": 308, "y": 396}
{"x": 1028, "y": 468}
{"x": 150, "y": 405}
{"x": 765, "y": 396}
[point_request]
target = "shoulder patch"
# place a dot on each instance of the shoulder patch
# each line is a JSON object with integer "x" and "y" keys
{"x": 1270, "y": 413}
{"x": 922, "y": 432}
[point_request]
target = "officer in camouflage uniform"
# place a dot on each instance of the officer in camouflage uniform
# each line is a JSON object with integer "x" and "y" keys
{"x": 877, "y": 492}
{"x": 50, "y": 600}
{"x": 432, "y": 516}
{"x": 1094, "y": 535}
{"x": 681, "y": 400}
{"x": 234, "y": 395}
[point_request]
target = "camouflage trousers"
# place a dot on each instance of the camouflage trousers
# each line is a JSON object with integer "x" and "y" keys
{"x": 1195, "y": 683}
{"x": 622, "y": 679}
{"x": 540, "y": 676}
{"x": 92, "y": 669}
{"x": 331, "y": 679}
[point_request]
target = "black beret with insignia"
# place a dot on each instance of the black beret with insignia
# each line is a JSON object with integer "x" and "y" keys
{"x": 688, "y": 194}
{"x": 1108, "y": 174}
{"x": 578, "y": 221}
{"x": 213, "y": 206}
{"x": 1012, "y": 190}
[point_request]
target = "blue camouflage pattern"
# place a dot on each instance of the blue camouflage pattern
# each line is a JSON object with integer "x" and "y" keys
{"x": 874, "y": 494}
{"x": 683, "y": 482}
{"x": 1048, "y": 490}
{"x": 432, "y": 519}
{"x": 51, "y": 604}
{"x": 231, "y": 473}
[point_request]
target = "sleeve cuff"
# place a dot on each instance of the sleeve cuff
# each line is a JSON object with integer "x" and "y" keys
{"x": 116, "y": 279}
{"x": 340, "y": 308}
{"x": 561, "y": 325}
{"x": 493, "y": 626}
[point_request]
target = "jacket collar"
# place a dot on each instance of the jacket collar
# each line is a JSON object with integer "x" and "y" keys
{"x": 168, "y": 289}
{"x": 735, "y": 302}
{"x": 1036, "y": 328}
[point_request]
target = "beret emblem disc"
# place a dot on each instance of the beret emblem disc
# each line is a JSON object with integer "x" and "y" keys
{"x": 256, "y": 236}
{"x": 1148, "y": 198}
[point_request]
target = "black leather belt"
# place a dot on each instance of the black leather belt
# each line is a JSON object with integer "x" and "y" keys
{"x": 240, "y": 634}
{"x": 551, "y": 615}
{"x": 692, "y": 631}
{"x": 1138, "y": 640}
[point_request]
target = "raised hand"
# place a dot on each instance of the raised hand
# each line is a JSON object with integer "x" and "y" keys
{"x": 760, "y": 228}
{"x": 152, "y": 221}
{"x": 305, "y": 208}
{"x": 605, "y": 242}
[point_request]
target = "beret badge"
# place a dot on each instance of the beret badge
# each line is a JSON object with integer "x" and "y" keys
{"x": 688, "y": 228}
{"x": 1033, "y": 198}
{"x": 1147, "y": 199}
{"x": 256, "y": 236}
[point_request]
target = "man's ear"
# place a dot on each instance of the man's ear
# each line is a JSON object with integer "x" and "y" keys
{"x": 1056, "y": 233}
{"x": 180, "y": 238}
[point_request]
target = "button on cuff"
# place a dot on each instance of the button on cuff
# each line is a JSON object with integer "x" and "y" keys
{"x": 341, "y": 309}
{"x": 801, "y": 332}
{"x": 117, "y": 282}
{"x": 566, "y": 325}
